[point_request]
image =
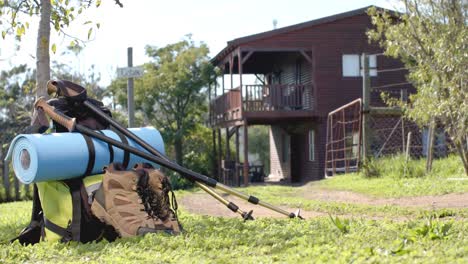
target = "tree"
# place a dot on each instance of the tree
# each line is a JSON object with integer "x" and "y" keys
{"x": 431, "y": 38}
{"x": 173, "y": 92}
{"x": 58, "y": 13}
{"x": 173, "y": 95}
{"x": 259, "y": 142}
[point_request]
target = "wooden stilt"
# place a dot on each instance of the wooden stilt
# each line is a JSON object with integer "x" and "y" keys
{"x": 246, "y": 154}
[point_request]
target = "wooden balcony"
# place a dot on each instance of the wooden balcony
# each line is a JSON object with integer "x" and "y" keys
{"x": 262, "y": 102}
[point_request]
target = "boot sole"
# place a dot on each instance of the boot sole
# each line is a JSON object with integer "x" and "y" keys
{"x": 102, "y": 214}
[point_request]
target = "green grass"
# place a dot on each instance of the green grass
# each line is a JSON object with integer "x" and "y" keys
{"x": 221, "y": 240}
{"x": 346, "y": 233}
{"x": 447, "y": 176}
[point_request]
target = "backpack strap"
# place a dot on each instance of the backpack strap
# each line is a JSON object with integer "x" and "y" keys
{"x": 111, "y": 149}
{"x": 65, "y": 233}
{"x": 126, "y": 159}
{"x": 91, "y": 155}
{"x": 75, "y": 191}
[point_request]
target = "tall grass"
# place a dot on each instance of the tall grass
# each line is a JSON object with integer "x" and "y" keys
{"x": 386, "y": 177}
{"x": 396, "y": 166}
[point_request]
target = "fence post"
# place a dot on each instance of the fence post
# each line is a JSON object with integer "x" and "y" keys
{"x": 430, "y": 146}
{"x": 365, "y": 106}
{"x": 404, "y": 99}
{"x": 408, "y": 144}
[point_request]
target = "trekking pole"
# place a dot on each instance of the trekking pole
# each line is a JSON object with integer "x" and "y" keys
{"x": 53, "y": 87}
{"x": 230, "y": 205}
{"x": 71, "y": 125}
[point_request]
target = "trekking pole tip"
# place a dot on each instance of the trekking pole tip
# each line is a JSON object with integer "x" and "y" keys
{"x": 247, "y": 216}
{"x": 297, "y": 214}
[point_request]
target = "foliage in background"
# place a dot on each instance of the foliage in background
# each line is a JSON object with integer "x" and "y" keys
{"x": 16, "y": 99}
{"x": 431, "y": 38}
{"x": 198, "y": 155}
{"x": 259, "y": 143}
{"x": 172, "y": 96}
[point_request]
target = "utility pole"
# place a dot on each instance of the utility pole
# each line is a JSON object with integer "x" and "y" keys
{"x": 365, "y": 106}
{"x": 130, "y": 105}
{"x": 130, "y": 73}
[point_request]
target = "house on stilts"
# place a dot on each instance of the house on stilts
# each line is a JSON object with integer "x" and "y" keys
{"x": 289, "y": 79}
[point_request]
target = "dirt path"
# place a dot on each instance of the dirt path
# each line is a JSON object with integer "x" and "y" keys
{"x": 202, "y": 203}
{"x": 452, "y": 200}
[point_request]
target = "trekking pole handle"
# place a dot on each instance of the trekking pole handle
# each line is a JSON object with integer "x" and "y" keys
{"x": 51, "y": 87}
{"x": 60, "y": 118}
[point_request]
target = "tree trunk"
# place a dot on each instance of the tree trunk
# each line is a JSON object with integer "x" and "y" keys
{"x": 42, "y": 51}
{"x": 463, "y": 155}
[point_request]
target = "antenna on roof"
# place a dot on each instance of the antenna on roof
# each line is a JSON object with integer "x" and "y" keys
{"x": 275, "y": 23}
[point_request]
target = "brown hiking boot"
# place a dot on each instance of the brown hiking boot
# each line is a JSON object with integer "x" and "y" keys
{"x": 153, "y": 188}
{"x": 117, "y": 203}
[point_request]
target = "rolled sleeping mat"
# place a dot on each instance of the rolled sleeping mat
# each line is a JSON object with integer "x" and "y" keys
{"x": 60, "y": 156}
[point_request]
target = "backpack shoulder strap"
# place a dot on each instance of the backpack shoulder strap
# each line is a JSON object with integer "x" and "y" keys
{"x": 75, "y": 191}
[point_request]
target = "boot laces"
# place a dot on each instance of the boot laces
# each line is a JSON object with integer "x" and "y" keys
{"x": 156, "y": 203}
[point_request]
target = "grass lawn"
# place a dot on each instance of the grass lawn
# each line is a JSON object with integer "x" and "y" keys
{"x": 358, "y": 233}
{"x": 229, "y": 240}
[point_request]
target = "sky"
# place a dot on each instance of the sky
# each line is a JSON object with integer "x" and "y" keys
{"x": 161, "y": 22}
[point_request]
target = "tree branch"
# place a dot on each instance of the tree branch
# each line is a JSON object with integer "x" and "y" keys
{"x": 117, "y": 2}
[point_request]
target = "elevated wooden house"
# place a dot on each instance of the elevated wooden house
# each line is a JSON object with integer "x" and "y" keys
{"x": 302, "y": 72}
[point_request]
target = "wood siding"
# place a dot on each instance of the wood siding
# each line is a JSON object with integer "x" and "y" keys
{"x": 279, "y": 169}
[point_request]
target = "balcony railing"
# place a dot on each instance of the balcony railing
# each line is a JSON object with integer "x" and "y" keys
{"x": 277, "y": 97}
{"x": 261, "y": 98}
{"x": 226, "y": 107}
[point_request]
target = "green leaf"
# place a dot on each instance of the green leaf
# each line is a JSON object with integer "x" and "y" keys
{"x": 90, "y": 31}
{"x": 3, "y": 34}
{"x": 98, "y": 3}
{"x": 98, "y": 25}
{"x": 54, "y": 48}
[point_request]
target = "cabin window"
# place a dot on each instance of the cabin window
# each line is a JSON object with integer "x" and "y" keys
{"x": 311, "y": 145}
{"x": 353, "y": 65}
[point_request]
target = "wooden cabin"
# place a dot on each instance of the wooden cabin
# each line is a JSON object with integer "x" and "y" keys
{"x": 290, "y": 79}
